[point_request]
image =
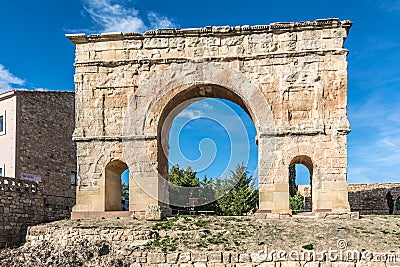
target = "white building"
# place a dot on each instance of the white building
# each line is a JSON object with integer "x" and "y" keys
{"x": 8, "y": 125}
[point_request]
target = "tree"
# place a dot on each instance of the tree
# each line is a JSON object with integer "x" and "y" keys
{"x": 237, "y": 194}
{"x": 183, "y": 185}
{"x": 125, "y": 191}
{"x": 207, "y": 198}
{"x": 181, "y": 177}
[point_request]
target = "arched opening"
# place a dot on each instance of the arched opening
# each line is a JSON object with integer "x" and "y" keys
{"x": 113, "y": 185}
{"x": 203, "y": 129}
{"x": 300, "y": 184}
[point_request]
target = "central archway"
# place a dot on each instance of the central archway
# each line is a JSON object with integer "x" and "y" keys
{"x": 178, "y": 103}
{"x": 175, "y": 106}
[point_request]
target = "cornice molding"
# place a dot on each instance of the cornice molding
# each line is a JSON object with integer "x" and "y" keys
{"x": 277, "y": 27}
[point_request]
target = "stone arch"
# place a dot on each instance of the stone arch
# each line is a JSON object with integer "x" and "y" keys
{"x": 112, "y": 185}
{"x": 127, "y": 80}
{"x": 305, "y": 160}
{"x": 167, "y": 88}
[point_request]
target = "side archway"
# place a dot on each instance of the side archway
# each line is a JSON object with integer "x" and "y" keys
{"x": 113, "y": 189}
{"x": 294, "y": 187}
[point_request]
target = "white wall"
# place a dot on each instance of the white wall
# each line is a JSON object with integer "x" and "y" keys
{"x": 8, "y": 137}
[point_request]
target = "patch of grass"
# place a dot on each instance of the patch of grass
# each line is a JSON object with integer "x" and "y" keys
{"x": 201, "y": 223}
{"x": 308, "y": 247}
{"x": 235, "y": 219}
{"x": 214, "y": 240}
{"x": 165, "y": 225}
{"x": 166, "y": 244}
{"x": 202, "y": 243}
{"x": 217, "y": 239}
{"x": 366, "y": 232}
{"x": 182, "y": 227}
{"x": 385, "y": 232}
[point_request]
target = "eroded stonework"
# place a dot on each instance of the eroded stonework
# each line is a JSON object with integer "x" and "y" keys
{"x": 290, "y": 77}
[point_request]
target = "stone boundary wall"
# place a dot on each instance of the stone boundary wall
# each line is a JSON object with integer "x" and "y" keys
{"x": 370, "y": 198}
{"x": 366, "y": 198}
{"x": 22, "y": 204}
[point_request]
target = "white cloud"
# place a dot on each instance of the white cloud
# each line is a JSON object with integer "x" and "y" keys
{"x": 204, "y": 105}
{"x": 117, "y": 17}
{"x": 191, "y": 114}
{"x": 391, "y": 6}
{"x": 7, "y": 79}
{"x": 197, "y": 110}
{"x": 159, "y": 22}
{"x": 374, "y": 144}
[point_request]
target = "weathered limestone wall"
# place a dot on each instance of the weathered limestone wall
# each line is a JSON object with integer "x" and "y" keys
{"x": 290, "y": 77}
{"x": 23, "y": 204}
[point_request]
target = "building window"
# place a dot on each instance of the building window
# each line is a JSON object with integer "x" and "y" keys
{"x": 74, "y": 180}
{"x": 2, "y": 125}
{"x": 1, "y": 171}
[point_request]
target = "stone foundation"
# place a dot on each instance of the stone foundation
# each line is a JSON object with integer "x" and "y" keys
{"x": 93, "y": 246}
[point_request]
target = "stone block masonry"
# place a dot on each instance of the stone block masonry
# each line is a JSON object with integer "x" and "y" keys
{"x": 45, "y": 124}
{"x": 62, "y": 245}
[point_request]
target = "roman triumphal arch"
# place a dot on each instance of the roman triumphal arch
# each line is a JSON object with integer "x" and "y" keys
{"x": 291, "y": 78}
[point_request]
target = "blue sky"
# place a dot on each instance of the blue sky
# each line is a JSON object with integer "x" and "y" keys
{"x": 34, "y": 53}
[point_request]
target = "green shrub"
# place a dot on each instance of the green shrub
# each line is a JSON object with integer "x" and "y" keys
{"x": 296, "y": 202}
{"x": 308, "y": 247}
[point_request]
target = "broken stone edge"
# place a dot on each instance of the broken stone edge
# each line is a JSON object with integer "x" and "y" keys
{"x": 277, "y": 27}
